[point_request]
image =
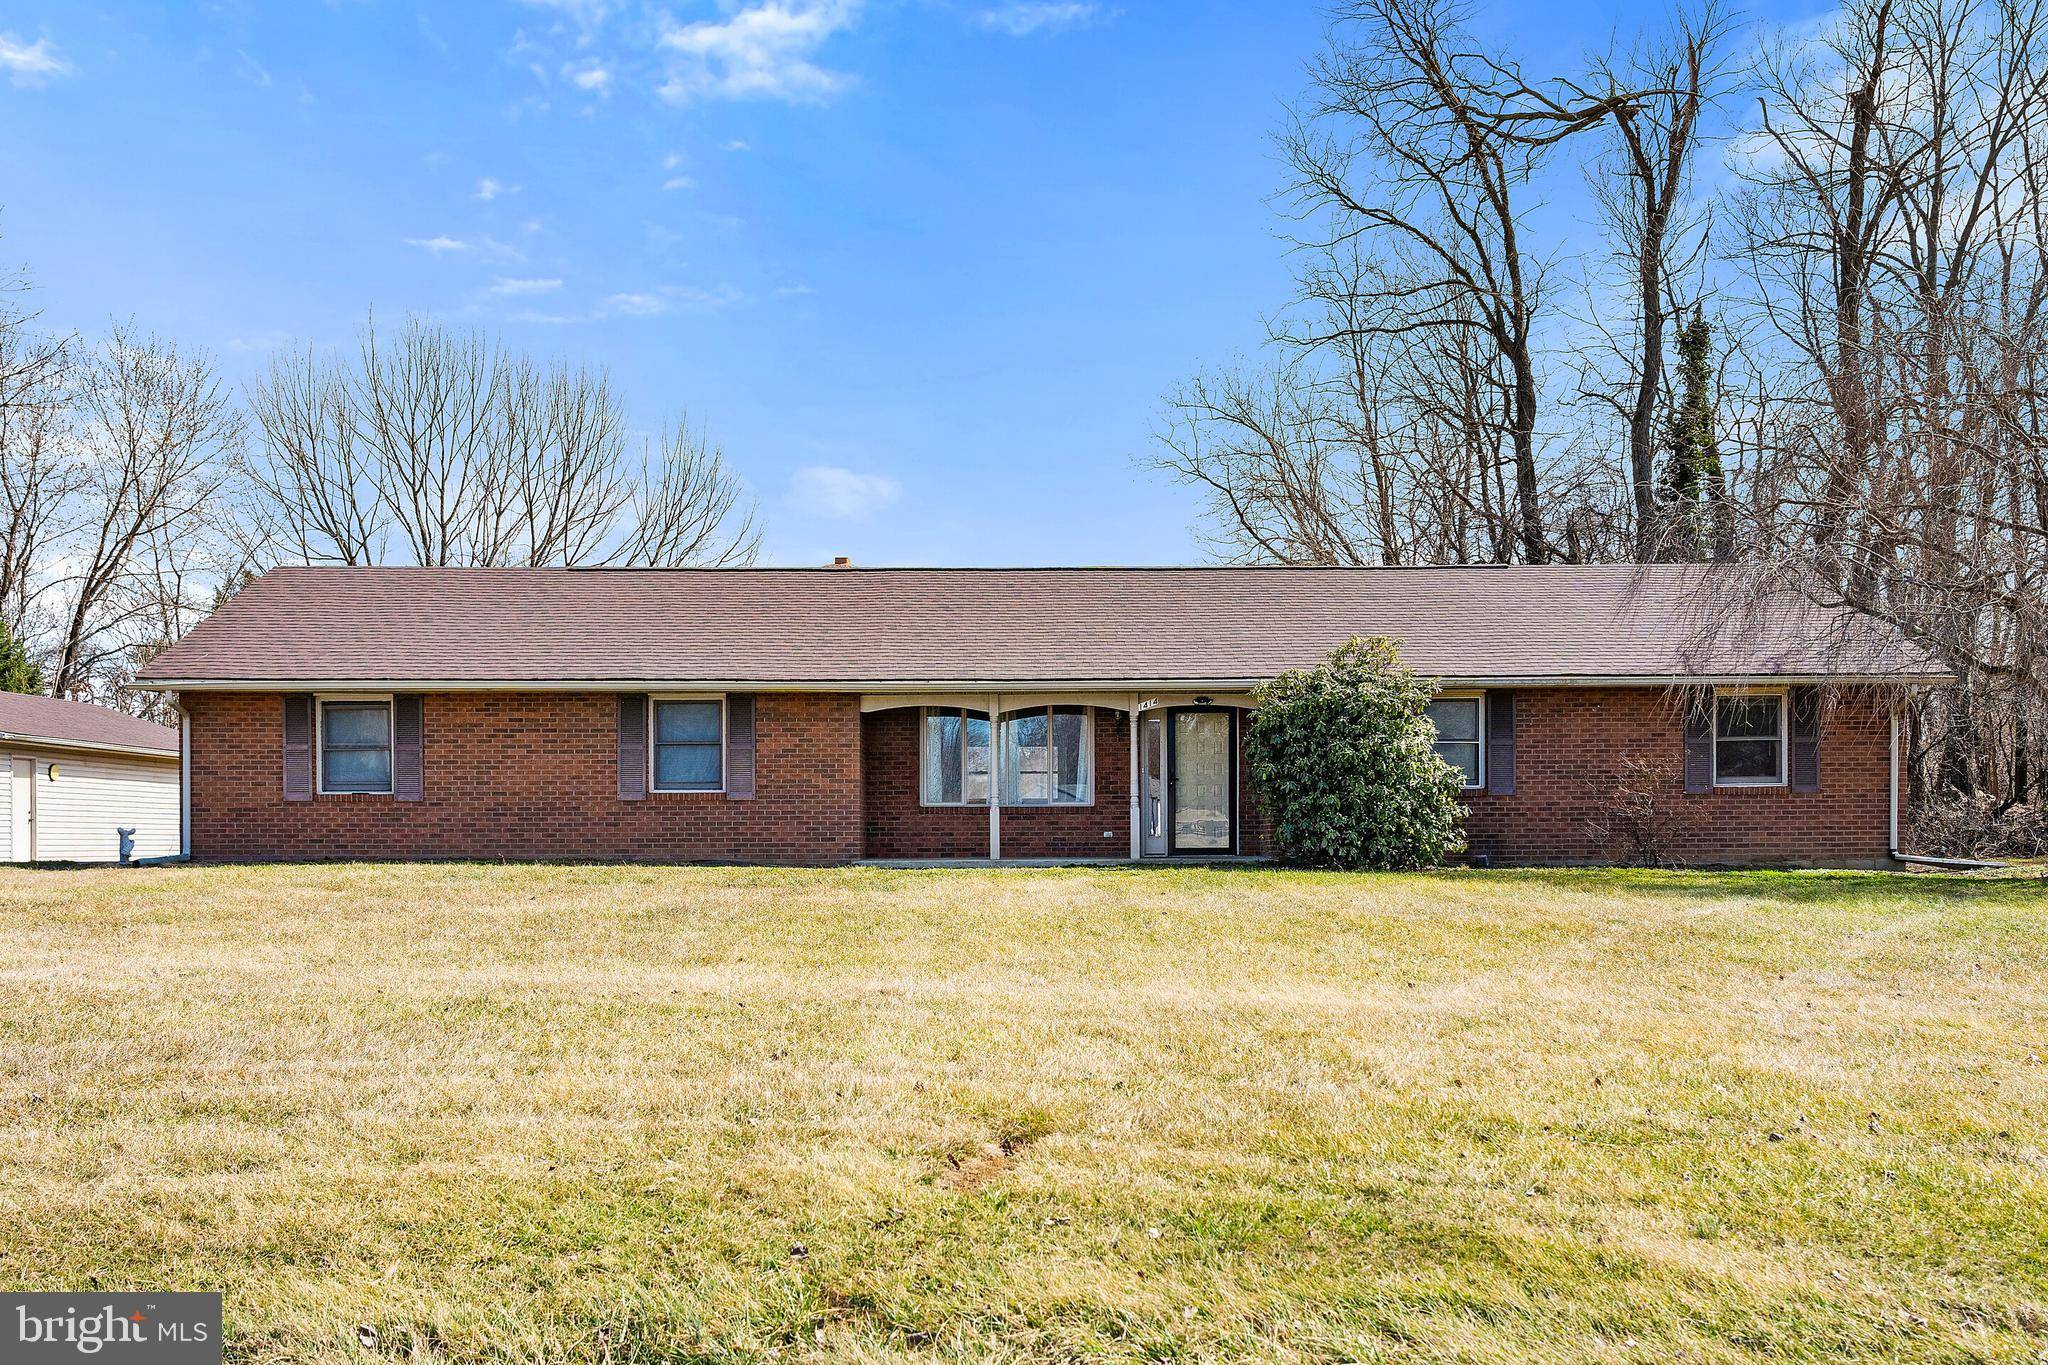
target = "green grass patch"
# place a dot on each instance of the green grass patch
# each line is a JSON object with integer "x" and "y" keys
{"x": 476, "y": 1113}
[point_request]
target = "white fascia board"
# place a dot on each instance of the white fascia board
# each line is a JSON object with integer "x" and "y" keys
{"x": 87, "y": 746}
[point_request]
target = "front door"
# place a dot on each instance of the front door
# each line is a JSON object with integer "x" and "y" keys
{"x": 1201, "y": 764}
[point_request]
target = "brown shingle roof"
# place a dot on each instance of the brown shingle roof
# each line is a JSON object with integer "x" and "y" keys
{"x": 867, "y": 627}
{"x": 25, "y": 717}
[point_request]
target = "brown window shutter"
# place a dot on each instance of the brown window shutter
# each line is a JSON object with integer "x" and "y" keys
{"x": 1803, "y": 739}
{"x": 298, "y": 747}
{"x": 1500, "y": 743}
{"x": 739, "y": 748}
{"x": 408, "y": 729}
{"x": 1699, "y": 740}
{"x": 632, "y": 746}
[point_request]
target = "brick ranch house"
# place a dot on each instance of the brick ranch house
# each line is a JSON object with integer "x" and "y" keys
{"x": 833, "y": 715}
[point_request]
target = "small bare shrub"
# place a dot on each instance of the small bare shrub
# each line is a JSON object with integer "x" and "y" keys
{"x": 1640, "y": 821}
{"x": 1979, "y": 825}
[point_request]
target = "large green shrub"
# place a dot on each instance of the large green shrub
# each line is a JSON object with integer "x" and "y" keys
{"x": 1343, "y": 761}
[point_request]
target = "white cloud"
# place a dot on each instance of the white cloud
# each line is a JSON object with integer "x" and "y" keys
{"x": 825, "y": 490}
{"x": 1025, "y": 17}
{"x": 251, "y": 70}
{"x": 738, "y": 144}
{"x": 484, "y": 248}
{"x": 595, "y": 77}
{"x": 635, "y": 305}
{"x": 488, "y": 188}
{"x": 762, "y": 51}
{"x": 678, "y": 182}
{"x": 31, "y": 63}
{"x": 509, "y": 287}
{"x": 647, "y": 303}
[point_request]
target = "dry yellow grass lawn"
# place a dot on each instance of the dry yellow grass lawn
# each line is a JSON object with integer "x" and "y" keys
{"x": 564, "y": 1113}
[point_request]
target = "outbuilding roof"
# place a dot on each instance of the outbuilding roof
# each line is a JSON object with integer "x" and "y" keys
{"x": 879, "y": 628}
{"x": 30, "y": 719}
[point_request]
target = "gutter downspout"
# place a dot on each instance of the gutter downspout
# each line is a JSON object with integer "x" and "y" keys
{"x": 184, "y": 853}
{"x": 1893, "y": 846}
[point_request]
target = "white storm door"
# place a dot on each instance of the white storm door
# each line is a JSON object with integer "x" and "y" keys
{"x": 1152, "y": 787}
{"x": 23, "y": 802}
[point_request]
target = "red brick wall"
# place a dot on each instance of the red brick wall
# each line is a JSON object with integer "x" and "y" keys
{"x": 898, "y": 826}
{"x": 1572, "y": 751}
{"x": 534, "y": 776}
{"x": 531, "y": 775}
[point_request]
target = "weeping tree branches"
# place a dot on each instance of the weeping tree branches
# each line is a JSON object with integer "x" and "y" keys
{"x": 439, "y": 447}
{"x": 1893, "y": 228}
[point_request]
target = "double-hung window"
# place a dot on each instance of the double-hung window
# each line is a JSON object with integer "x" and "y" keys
{"x": 955, "y": 757}
{"x": 1045, "y": 757}
{"x": 1749, "y": 739}
{"x": 355, "y": 746}
{"x": 689, "y": 744}
{"x": 1457, "y": 721}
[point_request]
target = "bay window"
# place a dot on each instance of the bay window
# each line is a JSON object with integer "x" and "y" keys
{"x": 1046, "y": 756}
{"x": 956, "y": 754}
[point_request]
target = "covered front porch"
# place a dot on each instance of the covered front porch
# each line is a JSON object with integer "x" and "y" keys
{"x": 1055, "y": 777}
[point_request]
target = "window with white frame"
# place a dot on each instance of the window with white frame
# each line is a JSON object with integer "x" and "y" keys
{"x": 1457, "y": 720}
{"x": 1749, "y": 739}
{"x": 688, "y": 753}
{"x": 1046, "y": 757}
{"x": 954, "y": 766}
{"x": 355, "y": 745}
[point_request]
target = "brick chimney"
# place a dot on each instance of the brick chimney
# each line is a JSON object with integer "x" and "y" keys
{"x": 841, "y": 562}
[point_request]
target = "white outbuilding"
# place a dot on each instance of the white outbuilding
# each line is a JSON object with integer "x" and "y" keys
{"x": 85, "y": 784}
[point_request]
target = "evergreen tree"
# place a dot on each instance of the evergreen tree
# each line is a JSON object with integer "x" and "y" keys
{"x": 18, "y": 672}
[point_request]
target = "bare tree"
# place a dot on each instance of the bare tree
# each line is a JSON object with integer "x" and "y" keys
{"x": 1657, "y": 94}
{"x": 1894, "y": 228}
{"x": 1423, "y": 144}
{"x": 1358, "y": 445}
{"x": 1860, "y": 413}
{"x": 439, "y": 447}
{"x": 37, "y": 474}
{"x": 154, "y": 437}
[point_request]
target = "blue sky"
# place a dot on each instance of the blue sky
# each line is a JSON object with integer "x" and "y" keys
{"x": 924, "y": 267}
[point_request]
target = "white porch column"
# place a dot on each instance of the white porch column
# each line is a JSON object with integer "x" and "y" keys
{"x": 1133, "y": 715}
{"x": 995, "y": 777}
